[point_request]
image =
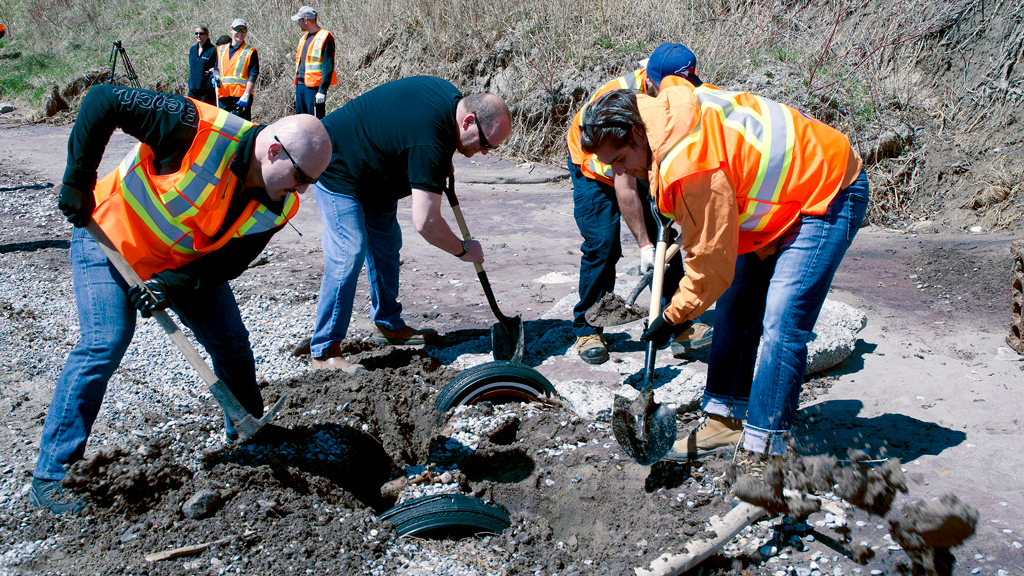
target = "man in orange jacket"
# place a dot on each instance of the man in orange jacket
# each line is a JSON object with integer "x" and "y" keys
{"x": 768, "y": 202}
{"x": 189, "y": 208}
{"x": 314, "y": 64}
{"x": 602, "y": 200}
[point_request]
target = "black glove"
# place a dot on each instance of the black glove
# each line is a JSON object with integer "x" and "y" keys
{"x": 661, "y": 331}
{"x": 76, "y": 205}
{"x": 151, "y": 298}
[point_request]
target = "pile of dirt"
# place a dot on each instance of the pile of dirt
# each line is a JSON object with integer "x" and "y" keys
{"x": 305, "y": 493}
{"x": 613, "y": 310}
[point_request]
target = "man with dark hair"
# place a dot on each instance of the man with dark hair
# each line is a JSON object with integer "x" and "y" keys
{"x": 601, "y": 199}
{"x": 238, "y": 67}
{"x": 768, "y": 201}
{"x": 189, "y": 208}
{"x": 314, "y": 64}
{"x": 202, "y": 58}
{"x": 394, "y": 141}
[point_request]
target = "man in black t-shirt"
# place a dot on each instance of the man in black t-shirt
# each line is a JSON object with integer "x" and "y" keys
{"x": 394, "y": 141}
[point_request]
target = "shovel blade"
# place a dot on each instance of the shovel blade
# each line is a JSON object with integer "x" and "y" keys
{"x": 644, "y": 429}
{"x": 507, "y": 339}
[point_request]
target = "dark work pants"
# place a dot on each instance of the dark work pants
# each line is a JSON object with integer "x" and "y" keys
{"x": 305, "y": 101}
{"x": 207, "y": 95}
{"x": 228, "y": 103}
{"x": 596, "y": 210}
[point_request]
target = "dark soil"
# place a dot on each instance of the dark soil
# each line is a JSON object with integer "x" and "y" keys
{"x": 612, "y": 310}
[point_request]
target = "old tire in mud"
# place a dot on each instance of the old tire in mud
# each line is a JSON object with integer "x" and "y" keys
{"x": 447, "y": 515}
{"x": 496, "y": 382}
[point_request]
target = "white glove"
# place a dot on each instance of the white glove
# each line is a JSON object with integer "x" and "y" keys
{"x": 321, "y": 97}
{"x": 646, "y": 258}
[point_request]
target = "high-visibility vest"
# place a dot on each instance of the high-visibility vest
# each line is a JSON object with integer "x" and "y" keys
{"x": 314, "y": 70}
{"x": 589, "y": 164}
{"x": 234, "y": 70}
{"x": 781, "y": 163}
{"x": 162, "y": 222}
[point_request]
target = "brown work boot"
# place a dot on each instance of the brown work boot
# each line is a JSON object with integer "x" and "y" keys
{"x": 592, "y": 349}
{"x": 695, "y": 337}
{"x": 404, "y": 336}
{"x": 333, "y": 360}
{"x": 715, "y": 435}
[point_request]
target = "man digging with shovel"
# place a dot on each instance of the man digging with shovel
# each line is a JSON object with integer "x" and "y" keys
{"x": 602, "y": 198}
{"x": 189, "y": 208}
{"x": 394, "y": 141}
{"x": 768, "y": 201}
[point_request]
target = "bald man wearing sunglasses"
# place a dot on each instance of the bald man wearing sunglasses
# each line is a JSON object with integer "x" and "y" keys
{"x": 190, "y": 207}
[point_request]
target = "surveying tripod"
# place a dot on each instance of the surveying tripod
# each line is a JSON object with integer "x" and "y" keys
{"x": 129, "y": 75}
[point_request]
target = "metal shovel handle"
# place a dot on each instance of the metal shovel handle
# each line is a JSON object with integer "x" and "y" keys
{"x": 244, "y": 422}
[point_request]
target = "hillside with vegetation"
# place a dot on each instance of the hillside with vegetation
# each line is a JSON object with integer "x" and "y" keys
{"x": 930, "y": 91}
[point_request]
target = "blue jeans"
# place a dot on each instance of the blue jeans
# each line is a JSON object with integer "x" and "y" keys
{"x": 106, "y": 318}
{"x": 351, "y": 237}
{"x": 305, "y": 101}
{"x": 596, "y": 209}
{"x": 775, "y": 302}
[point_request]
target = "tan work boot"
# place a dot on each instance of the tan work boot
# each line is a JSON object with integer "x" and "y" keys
{"x": 592, "y": 349}
{"x": 715, "y": 435}
{"x": 404, "y": 336}
{"x": 695, "y": 337}
{"x": 333, "y": 360}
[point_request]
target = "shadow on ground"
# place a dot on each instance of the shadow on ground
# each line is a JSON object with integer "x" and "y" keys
{"x": 834, "y": 426}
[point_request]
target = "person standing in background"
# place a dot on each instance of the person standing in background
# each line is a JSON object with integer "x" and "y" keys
{"x": 314, "y": 64}
{"x": 201, "y": 59}
{"x": 238, "y": 66}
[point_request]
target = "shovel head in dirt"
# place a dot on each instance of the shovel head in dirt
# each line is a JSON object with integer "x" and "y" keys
{"x": 644, "y": 429}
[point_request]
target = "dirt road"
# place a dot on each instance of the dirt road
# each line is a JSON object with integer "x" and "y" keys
{"x": 931, "y": 381}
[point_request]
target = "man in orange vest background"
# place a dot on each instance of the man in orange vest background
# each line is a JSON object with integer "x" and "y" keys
{"x": 189, "y": 208}
{"x": 602, "y": 200}
{"x": 314, "y": 62}
{"x": 238, "y": 66}
{"x": 768, "y": 201}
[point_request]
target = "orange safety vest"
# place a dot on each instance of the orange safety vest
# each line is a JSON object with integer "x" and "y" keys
{"x": 781, "y": 163}
{"x": 589, "y": 164}
{"x": 313, "y": 75}
{"x": 162, "y": 222}
{"x": 234, "y": 70}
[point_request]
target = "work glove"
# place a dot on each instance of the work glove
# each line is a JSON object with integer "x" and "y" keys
{"x": 76, "y": 205}
{"x": 661, "y": 331}
{"x": 321, "y": 98}
{"x": 151, "y": 298}
{"x": 243, "y": 102}
{"x": 646, "y": 258}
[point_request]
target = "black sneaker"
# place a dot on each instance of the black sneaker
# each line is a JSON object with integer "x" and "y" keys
{"x": 50, "y": 494}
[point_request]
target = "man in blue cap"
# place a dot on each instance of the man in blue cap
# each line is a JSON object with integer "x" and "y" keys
{"x": 601, "y": 199}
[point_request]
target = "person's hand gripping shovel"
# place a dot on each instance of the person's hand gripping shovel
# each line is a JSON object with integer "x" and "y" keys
{"x": 644, "y": 429}
{"x": 507, "y": 334}
{"x": 246, "y": 425}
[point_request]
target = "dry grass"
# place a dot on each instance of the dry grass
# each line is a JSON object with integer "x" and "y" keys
{"x": 861, "y": 67}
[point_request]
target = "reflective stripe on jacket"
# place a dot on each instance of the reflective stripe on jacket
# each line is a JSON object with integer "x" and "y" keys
{"x": 781, "y": 163}
{"x": 234, "y": 70}
{"x": 588, "y": 163}
{"x": 313, "y": 75}
{"x": 162, "y": 222}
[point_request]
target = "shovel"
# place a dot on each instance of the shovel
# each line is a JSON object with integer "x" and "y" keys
{"x": 244, "y": 422}
{"x": 507, "y": 334}
{"x": 644, "y": 429}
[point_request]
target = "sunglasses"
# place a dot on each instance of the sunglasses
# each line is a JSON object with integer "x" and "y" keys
{"x": 200, "y": 33}
{"x": 483, "y": 139}
{"x": 242, "y": 30}
{"x": 300, "y": 176}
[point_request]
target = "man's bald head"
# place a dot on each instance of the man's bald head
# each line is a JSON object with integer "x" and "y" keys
{"x": 294, "y": 141}
{"x": 484, "y": 115}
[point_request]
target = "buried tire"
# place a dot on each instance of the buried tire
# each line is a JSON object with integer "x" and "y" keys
{"x": 498, "y": 382}
{"x": 451, "y": 515}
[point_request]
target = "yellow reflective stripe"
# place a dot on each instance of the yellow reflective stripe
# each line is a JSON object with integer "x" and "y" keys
{"x": 262, "y": 219}
{"x": 139, "y": 196}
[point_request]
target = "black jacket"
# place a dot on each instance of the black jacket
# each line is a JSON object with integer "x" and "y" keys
{"x": 199, "y": 65}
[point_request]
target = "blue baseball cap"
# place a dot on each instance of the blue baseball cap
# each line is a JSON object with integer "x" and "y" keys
{"x": 671, "y": 59}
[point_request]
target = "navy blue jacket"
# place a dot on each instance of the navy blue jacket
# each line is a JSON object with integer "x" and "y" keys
{"x": 199, "y": 65}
